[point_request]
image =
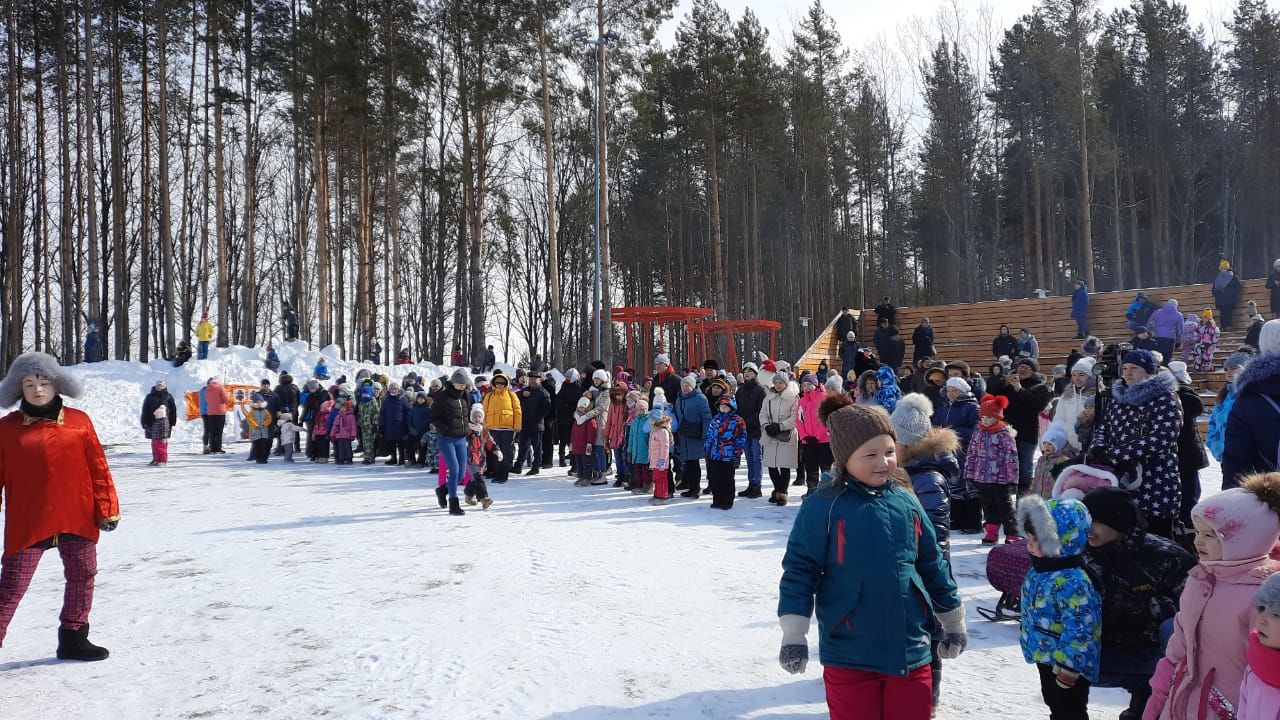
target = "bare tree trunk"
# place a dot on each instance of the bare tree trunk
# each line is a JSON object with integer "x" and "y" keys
{"x": 119, "y": 251}
{"x": 219, "y": 179}
{"x": 553, "y": 240}
{"x": 169, "y": 308}
{"x": 13, "y": 239}
{"x": 144, "y": 287}
{"x": 602, "y": 126}
{"x": 1039, "y": 222}
{"x": 68, "y": 261}
{"x": 1116, "y": 226}
{"x": 249, "y": 298}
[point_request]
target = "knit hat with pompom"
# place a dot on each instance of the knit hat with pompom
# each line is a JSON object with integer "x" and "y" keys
{"x": 993, "y": 406}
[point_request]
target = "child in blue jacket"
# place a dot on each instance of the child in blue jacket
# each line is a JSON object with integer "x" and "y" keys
{"x": 725, "y": 442}
{"x": 1061, "y": 625}
{"x": 864, "y": 555}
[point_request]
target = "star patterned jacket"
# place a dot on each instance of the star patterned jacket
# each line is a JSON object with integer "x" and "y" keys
{"x": 1140, "y": 436}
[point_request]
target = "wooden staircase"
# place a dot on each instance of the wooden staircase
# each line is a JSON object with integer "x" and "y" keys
{"x": 965, "y": 331}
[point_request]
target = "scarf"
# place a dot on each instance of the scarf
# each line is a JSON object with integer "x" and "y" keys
{"x": 1048, "y": 564}
{"x": 997, "y": 427}
{"x": 49, "y": 412}
{"x": 1263, "y": 661}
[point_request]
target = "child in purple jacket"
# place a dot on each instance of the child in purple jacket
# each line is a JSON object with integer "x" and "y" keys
{"x": 992, "y": 466}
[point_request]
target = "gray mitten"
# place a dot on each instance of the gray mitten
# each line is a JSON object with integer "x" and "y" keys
{"x": 954, "y": 635}
{"x": 794, "y": 656}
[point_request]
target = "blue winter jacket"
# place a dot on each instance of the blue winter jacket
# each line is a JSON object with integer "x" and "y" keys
{"x": 419, "y": 419}
{"x": 1252, "y": 442}
{"x": 961, "y": 416}
{"x": 638, "y": 439}
{"x": 204, "y": 408}
{"x": 91, "y": 346}
{"x": 726, "y": 437}
{"x": 1216, "y": 438}
{"x": 868, "y": 561}
{"x": 320, "y": 372}
{"x": 692, "y": 411}
{"x": 889, "y": 393}
{"x": 394, "y": 417}
{"x": 1061, "y": 611}
{"x": 1080, "y": 302}
{"x": 931, "y": 464}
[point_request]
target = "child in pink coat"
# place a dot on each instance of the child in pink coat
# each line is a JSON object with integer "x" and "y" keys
{"x": 343, "y": 432}
{"x": 815, "y": 442}
{"x": 659, "y": 453}
{"x": 1260, "y": 691}
{"x": 1203, "y": 667}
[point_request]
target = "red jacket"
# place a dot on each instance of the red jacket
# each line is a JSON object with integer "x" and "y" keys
{"x": 582, "y": 437}
{"x": 55, "y": 479}
{"x": 216, "y": 399}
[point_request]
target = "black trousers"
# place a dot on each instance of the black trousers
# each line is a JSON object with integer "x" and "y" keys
{"x": 814, "y": 458}
{"x": 549, "y": 446}
{"x": 204, "y": 436}
{"x": 692, "y": 477}
{"x": 1064, "y": 704}
{"x": 342, "y": 452}
{"x": 781, "y": 478}
{"x": 505, "y": 439}
{"x": 720, "y": 480}
{"x": 213, "y": 425}
{"x": 319, "y": 448}
{"x": 261, "y": 449}
{"x": 997, "y": 505}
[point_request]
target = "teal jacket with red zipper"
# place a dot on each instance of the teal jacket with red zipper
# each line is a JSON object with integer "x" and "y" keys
{"x": 868, "y": 561}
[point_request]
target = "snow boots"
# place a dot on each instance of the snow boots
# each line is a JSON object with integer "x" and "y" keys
{"x": 442, "y": 495}
{"x": 752, "y": 491}
{"x": 75, "y": 645}
{"x": 991, "y": 535}
{"x": 455, "y": 508}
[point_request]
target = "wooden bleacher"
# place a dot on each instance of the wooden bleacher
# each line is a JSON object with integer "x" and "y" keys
{"x": 965, "y": 331}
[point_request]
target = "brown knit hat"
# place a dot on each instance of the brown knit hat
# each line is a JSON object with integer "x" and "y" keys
{"x": 852, "y": 425}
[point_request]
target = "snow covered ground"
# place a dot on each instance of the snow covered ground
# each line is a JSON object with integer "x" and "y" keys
{"x": 234, "y": 590}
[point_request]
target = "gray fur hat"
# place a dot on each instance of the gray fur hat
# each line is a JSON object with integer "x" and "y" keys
{"x": 65, "y": 383}
{"x": 1268, "y": 596}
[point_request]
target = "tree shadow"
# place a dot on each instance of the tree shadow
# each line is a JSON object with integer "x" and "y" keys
{"x": 324, "y": 520}
{"x": 726, "y": 704}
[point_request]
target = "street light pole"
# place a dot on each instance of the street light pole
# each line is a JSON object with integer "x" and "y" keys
{"x": 597, "y": 114}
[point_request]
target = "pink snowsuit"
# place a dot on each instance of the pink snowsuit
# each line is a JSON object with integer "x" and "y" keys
{"x": 344, "y": 428}
{"x": 1259, "y": 699}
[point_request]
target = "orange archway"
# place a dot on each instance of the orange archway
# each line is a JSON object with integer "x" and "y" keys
{"x": 644, "y": 318}
{"x": 704, "y": 332}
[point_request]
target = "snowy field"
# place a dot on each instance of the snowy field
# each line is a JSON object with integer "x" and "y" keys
{"x": 234, "y": 590}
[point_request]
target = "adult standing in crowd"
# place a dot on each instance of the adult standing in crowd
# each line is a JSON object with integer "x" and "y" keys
{"x": 317, "y": 396}
{"x": 450, "y": 415}
{"x": 1138, "y": 436}
{"x": 287, "y": 400}
{"x": 503, "y": 416}
{"x": 1028, "y": 346}
{"x": 664, "y": 377}
{"x": 1273, "y": 284}
{"x": 393, "y": 421}
{"x": 1252, "y": 442}
{"x": 1080, "y": 309}
{"x": 204, "y": 336}
{"x": 1226, "y": 293}
{"x": 1029, "y": 394}
{"x": 566, "y": 403}
{"x": 1005, "y": 344}
{"x": 1140, "y": 578}
{"x": 159, "y": 397}
{"x": 846, "y": 324}
{"x": 693, "y": 413}
{"x": 922, "y": 342}
{"x": 66, "y": 506}
{"x": 886, "y": 311}
{"x": 215, "y": 402}
{"x": 889, "y": 344}
{"x": 780, "y": 444}
{"x": 849, "y": 353}
{"x": 1078, "y": 395}
{"x": 550, "y": 424}
{"x": 1191, "y": 455}
{"x": 1166, "y": 325}
{"x": 535, "y": 408}
{"x": 750, "y": 398}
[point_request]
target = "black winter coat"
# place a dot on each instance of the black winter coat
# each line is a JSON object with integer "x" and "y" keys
{"x": 890, "y": 347}
{"x": 1253, "y": 335}
{"x": 845, "y": 324}
{"x": 311, "y": 410}
{"x": 960, "y": 416}
{"x": 1191, "y": 455}
{"x": 1005, "y": 345}
{"x": 1025, "y": 405}
{"x": 1140, "y": 433}
{"x": 1148, "y": 344}
{"x": 1141, "y": 580}
{"x": 153, "y": 400}
{"x": 931, "y": 464}
{"x": 750, "y": 399}
{"x": 535, "y": 408}
{"x": 670, "y": 385}
{"x": 1252, "y": 442}
{"x": 451, "y": 412}
{"x": 287, "y": 397}
{"x": 922, "y": 342}
{"x": 566, "y": 402}
{"x": 848, "y": 357}
{"x": 886, "y": 310}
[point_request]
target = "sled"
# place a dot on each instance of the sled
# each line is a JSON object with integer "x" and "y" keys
{"x": 1007, "y": 566}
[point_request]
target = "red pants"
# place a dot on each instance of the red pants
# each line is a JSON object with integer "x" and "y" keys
{"x": 642, "y": 475}
{"x": 661, "y": 489}
{"x": 160, "y": 450}
{"x": 862, "y": 695}
{"x": 79, "y": 566}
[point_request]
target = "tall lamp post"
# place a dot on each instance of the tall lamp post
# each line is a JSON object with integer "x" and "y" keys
{"x": 597, "y": 114}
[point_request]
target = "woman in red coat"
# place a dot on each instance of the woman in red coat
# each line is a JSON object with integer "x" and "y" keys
{"x": 58, "y": 493}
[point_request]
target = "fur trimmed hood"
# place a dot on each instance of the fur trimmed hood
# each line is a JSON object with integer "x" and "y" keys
{"x": 65, "y": 382}
{"x": 1143, "y": 392}
{"x": 1061, "y": 526}
{"x": 1260, "y": 368}
{"x": 938, "y": 443}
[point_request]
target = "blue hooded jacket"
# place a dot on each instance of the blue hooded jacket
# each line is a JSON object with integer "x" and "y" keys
{"x": 394, "y": 417}
{"x": 1061, "y": 610}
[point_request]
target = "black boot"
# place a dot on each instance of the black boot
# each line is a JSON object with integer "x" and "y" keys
{"x": 75, "y": 645}
{"x": 442, "y": 495}
{"x": 752, "y": 491}
{"x": 455, "y": 508}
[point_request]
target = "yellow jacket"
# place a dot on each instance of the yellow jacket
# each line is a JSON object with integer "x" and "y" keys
{"x": 502, "y": 410}
{"x": 204, "y": 331}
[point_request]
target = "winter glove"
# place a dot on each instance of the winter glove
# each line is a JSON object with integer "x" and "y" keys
{"x": 794, "y": 656}
{"x": 954, "y": 635}
{"x": 1064, "y": 678}
{"x": 109, "y": 524}
{"x": 772, "y": 429}
{"x": 660, "y": 464}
